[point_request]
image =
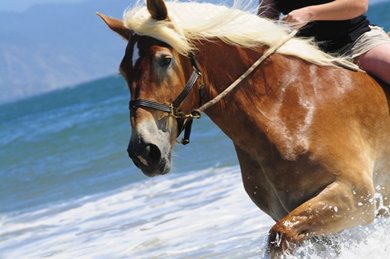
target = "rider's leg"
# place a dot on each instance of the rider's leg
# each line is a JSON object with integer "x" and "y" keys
{"x": 377, "y": 62}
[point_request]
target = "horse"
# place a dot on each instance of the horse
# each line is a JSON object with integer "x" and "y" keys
{"x": 312, "y": 137}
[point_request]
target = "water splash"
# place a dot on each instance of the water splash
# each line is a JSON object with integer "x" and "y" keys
{"x": 200, "y": 214}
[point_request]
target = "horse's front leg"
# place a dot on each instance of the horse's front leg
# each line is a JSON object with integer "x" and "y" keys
{"x": 342, "y": 204}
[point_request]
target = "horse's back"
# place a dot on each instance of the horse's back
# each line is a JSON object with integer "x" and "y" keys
{"x": 360, "y": 113}
{"x": 356, "y": 130}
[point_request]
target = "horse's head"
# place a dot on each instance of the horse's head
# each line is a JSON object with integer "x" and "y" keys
{"x": 155, "y": 80}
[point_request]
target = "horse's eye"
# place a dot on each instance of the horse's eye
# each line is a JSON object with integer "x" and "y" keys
{"x": 165, "y": 61}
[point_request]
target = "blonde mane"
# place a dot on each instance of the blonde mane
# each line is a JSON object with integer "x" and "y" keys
{"x": 191, "y": 22}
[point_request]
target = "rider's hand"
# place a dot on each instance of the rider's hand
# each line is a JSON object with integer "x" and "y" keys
{"x": 300, "y": 17}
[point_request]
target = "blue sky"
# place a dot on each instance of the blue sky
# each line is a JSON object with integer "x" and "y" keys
{"x": 22, "y": 5}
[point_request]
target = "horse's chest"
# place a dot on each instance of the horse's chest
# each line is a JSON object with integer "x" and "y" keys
{"x": 264, "y": 195}
{"x": 280, "y": 187}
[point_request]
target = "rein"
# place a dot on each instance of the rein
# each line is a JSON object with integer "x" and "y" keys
{"x": 173, "y": 109}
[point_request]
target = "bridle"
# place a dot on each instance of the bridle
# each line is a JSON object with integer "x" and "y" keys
{"x": 173, "y": 109}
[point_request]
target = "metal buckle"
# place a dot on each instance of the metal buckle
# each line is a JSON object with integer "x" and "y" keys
{"x": 175, "y": 113}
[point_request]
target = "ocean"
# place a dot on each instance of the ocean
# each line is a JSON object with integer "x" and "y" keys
{"x": 69, "y": 190}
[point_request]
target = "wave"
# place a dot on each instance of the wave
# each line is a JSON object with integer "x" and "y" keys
{"x": 199, "y": 214}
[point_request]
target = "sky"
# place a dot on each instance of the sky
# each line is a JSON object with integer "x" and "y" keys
{"x": 22, "y": 5}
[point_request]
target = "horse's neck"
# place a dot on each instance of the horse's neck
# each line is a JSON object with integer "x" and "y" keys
{"x": 235, "y": 112}
{"x": 251, "y": 114}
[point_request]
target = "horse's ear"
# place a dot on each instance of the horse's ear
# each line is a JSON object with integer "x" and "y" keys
{"x": 116, "y": 25}
{"x": 157, "y": 9}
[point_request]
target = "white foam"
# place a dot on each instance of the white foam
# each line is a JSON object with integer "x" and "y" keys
{"x": 200, "y": 214}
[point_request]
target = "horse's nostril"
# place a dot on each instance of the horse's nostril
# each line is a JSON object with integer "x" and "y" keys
{"x": 149, "y": 158}
{"x": 153, "y": 153}
{"x": 144, "y": 155}
{"x": 146, "y": 151}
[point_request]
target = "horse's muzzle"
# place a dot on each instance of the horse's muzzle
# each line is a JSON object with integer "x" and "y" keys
{"x": 147, "y": 157}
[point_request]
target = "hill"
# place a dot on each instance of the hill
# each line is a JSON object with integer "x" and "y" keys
{"x": 54, "y": 45}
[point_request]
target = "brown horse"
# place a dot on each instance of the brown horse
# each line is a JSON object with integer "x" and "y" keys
{"x": 312, "y": 138}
